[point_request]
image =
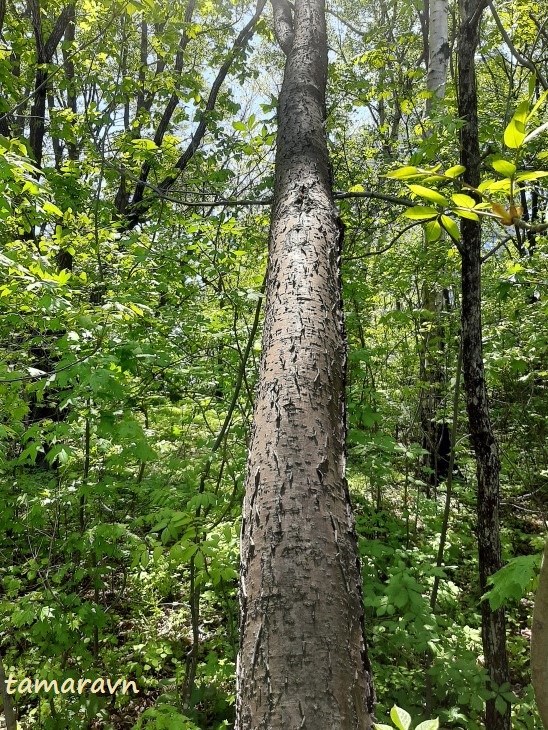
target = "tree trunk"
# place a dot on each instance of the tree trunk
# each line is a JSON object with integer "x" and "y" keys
{"x": 539, "y": 642}
{"x": 481, "y": 432}
{"x": 303, "y": 660}
{"x": 433, "y": 377}
{"x": 438, "y": 50}
{"x": 7, "y": 701}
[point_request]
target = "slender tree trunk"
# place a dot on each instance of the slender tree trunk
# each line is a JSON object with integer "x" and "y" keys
{"x": 481, "y": 432}
{"x": 45, "y": 48}
{"x": 435, "y": 432}
{"x": 438, "y": 50}
{"x": 7, "y": 701}
{"x": 303, "y": 660}
{"x": 539, "y": 641}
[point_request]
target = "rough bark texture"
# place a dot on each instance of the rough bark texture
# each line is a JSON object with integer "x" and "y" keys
{"x": 303, "y": 660}
{"x": 539, "y": 641}
{"x": 481, "y": 432}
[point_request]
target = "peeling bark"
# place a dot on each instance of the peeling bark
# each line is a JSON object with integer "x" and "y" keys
{"x": 303, "y": 660}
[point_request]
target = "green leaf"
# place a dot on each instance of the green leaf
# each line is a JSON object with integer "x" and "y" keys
{"x": 403, "y": 172}
{"x": 466, "y": 214}
{"x": 501, "y": 185}
{"x": 512, "y": 580}
{"x": 429, "y": 725}
{"x": 239, "y": 126}
{"x": 378, "y": 726}
{"x": 455, "y": 171}
{"x": 463, "y": 201}
{"x": 420, "y": 212}
{"x": 144, "y": 144}
{"x": 541, "y": 100}
{"x": 400, "y": 718}
{"x": 533, "y": 175}
{"x": 60, "y": 452}
{"x": 500, "y": 705}
{"x": 451, "y": 227}
{"x": 432, "y": 195}
{"x": 504, "y": 167}
{"x": 433, "y": 231}
{"x": 514, "y": 134}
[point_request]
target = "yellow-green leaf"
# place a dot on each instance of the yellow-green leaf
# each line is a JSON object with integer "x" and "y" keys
{"x": 432, "y": 230}
{"x": 53, "y": 209}
{"x": 428, "y": 194}
{"x": 467, "y": 213}
{"x": 429, "y": 725}
{"x": 541, "y": 100}
{"x": 504, "y": 167}
{"x": 402, "y": 172}
{"x": 463, "y": 201}
{"x": 400, "y": 718}
{"x": 455, "y": 171}
{"x": 144, "y": 144}
{"x": 514, "y": 134}
{"x": 420, "y": 212}
{"x": 531, "y": 175}
{"x": 503, "y": 185}
{"x": 451, "y": 227}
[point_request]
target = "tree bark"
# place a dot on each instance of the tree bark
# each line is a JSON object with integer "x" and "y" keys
{"x": 481, "y": 432}
{"x": 438, "y": 50}
{"x": 7, "y": 701}
{"x": 45, "y": 48}
{"x": 432, "y": 366}
{"x": 539, "y": 642}
{"x": 303, "y": 660}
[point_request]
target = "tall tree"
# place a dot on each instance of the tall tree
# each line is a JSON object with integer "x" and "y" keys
{"x": 481, "y": 432}
{"x": 302, "y": 650}
{"x": 436, "y": 432}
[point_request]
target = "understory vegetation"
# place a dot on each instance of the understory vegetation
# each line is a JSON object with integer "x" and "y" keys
{"x": 130, "y": 339}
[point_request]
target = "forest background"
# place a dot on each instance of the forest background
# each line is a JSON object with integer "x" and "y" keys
{"x": 136, "y": 170}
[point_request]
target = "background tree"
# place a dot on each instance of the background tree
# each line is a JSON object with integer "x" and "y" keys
{"x": 131, "y": 336}
{"x": 481, "y": 432}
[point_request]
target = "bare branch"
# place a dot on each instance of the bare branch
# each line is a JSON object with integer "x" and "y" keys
{"x": 139, "y": 206}
{"x": 514, "y": 51}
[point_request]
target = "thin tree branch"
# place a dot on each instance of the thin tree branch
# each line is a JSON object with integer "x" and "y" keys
{"x": 376, "y": 196}
{"x": 493, "y": 251}
{"x": 342, "y": 20}
{"x": 514, "y": 51}
{"x": 388, "y": 246}
{"x": 139, "y": 207}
